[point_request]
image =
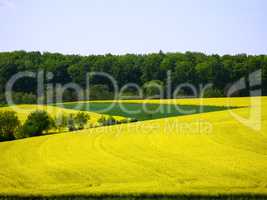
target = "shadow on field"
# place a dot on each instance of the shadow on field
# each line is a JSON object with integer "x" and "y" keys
{"x": 140, "y": 197}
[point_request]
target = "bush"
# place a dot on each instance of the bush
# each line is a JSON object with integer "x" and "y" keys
{"x": 78, "y": 121}
{"x": 2, "y": 100}
{"x": 9, "y": 124}
{"x": 81, "y": 120}
{"x": 19, "y": 134}
{"x": 61, "y": 122}
{"x": 127, "y": 120}
{"x": 101, "y": 120}
{"x": 24, "y": 98}
{"x": 111, "y": 120}
{"x": 71, "y": 123}
{"x": 99, "y": 91}
{"x": 36, "y": 123}
{"x": 20, "y": 98}
{"x": 132, "y": 120}
{"x": 105, "y": 121}
{"x": 154, "y": 89}
{"x": 212, "y": 92}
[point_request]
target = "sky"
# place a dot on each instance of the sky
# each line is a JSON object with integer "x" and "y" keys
{"x": 134, "y": 26}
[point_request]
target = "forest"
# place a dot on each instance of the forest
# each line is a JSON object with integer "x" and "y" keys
{"x": 189, "y": 67}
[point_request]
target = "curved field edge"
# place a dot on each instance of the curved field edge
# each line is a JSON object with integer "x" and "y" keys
{"x": 24, "y": 110}
{"x": 150, "y": 157}
{"x": 222, "y": 101}
{"x": 142, "y": 112}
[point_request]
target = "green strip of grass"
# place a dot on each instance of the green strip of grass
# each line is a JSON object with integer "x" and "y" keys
{"x": 141, "y": 112}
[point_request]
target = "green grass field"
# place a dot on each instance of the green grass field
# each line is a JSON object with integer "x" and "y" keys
{"x": 139, "y": 111}
{"x": 215, "y": 155}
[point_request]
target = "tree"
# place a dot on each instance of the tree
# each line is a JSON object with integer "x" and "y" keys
{"x": 9, "y": 124}
{"x": 213, "y": 71}
{"x": 151, "y": 67}
{"x": 99, "y": 91}
{"x": 212, "y": 92}
{"x": 71, "y": 123}
{"x": 154, "y": 89}
{"x": 81, "y": 119}
{"x": 101, "y": 121}
{"x": 111, "y": 120}
{"x": 264, "y": 75}
{"x": 191, "y": 67}
{"x": 184, "y": 72}
{"x": 37, "y": 122}
{"x": 61, "y": 122}
{"x": 106, "y": 121}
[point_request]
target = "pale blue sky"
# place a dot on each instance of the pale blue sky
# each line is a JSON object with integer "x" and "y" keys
{"x": 134, "y": 26}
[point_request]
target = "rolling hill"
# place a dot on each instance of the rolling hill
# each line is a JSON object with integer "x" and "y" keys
{"x": 206, "y": 153}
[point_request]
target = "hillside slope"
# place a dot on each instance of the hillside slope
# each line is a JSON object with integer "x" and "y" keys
{"x": 205, "y": 153}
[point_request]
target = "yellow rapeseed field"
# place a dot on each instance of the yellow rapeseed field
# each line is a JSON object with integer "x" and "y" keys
{"x": 208, "y": 153}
